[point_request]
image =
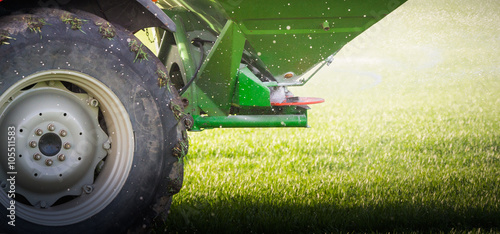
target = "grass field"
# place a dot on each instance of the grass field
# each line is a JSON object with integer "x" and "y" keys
{"x": 408, "y": 139}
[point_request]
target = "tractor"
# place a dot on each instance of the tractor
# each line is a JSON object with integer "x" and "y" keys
{"x": 97, "y": 97}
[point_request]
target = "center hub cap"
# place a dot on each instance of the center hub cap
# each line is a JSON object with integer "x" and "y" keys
{"x": 50, "y": 144}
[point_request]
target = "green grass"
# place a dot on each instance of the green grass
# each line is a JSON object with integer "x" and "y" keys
{"x": 407, "y": 141}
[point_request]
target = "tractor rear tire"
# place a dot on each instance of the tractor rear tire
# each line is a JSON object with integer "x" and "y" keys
{"x": 90, "y": 134}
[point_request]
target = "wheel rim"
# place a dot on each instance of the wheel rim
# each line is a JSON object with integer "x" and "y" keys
{"x": 68, "y": 168}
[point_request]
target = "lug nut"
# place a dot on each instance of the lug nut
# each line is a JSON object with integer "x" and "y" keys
{"x": 67, "y": 145}
{"x": 49, "y": 162}
{"x": 88, "y": 189}
{"x": 61, "y": 157}
{"x": 51, "y": 127}
{"x": 94, "y": 102}
{"x": 33, "y": 144}
{"x": 39, "y": 132}
{"x": 37, "y": 156}
{"x": 106, "y": 145}
{"x": 63, "y": 133}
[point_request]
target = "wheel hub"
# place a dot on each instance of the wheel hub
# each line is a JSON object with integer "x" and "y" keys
{"x": 64, "y": 142}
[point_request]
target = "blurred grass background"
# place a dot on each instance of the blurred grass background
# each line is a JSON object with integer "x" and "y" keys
{"x": 407, "y": 140}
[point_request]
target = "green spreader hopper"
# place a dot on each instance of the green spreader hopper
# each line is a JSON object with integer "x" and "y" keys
{"x": 234, "y": 59}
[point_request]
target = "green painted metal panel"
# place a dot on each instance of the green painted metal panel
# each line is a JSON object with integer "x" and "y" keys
{"x": 217, "y": 76}
{"x": 251, "y": 91}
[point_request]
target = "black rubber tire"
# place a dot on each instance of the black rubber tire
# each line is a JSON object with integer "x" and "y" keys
{"x": 140, "y": 83}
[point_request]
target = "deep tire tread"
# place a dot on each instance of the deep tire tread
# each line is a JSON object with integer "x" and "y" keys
{"x": 46, "y": 26}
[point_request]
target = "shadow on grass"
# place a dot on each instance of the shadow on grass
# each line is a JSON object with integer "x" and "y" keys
{"x": 253, "y": 216}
